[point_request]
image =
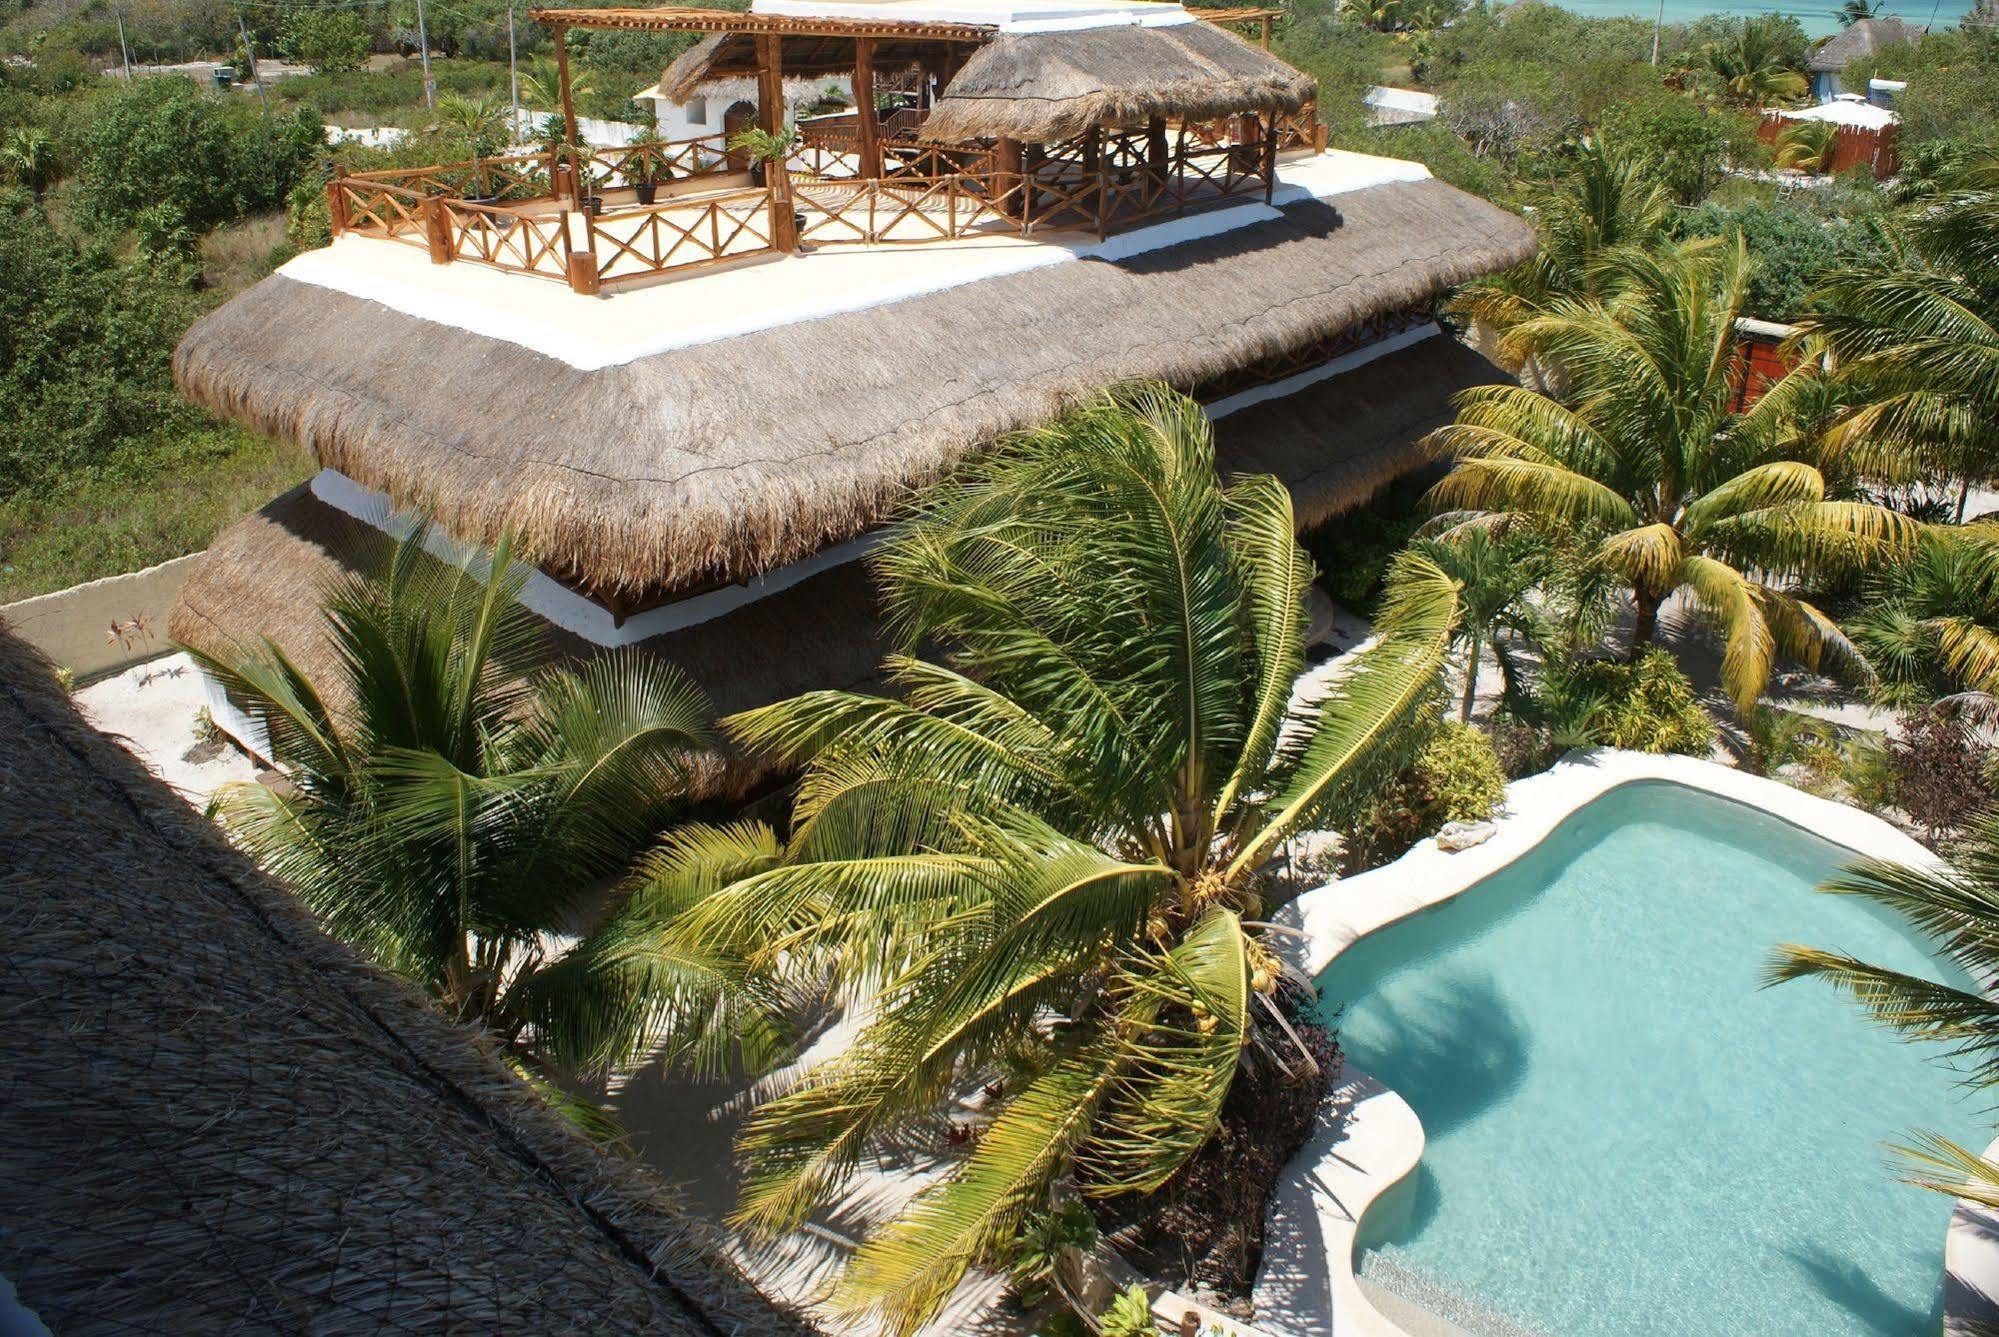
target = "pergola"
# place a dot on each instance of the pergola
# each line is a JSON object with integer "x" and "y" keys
{"x": 781, "y": 44}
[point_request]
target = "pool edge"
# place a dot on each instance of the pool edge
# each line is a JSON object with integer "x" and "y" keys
{"x": 1327, "y": 1188}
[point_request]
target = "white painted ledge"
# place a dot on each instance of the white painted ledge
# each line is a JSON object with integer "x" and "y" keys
{"x": 1307, "y": 1280}
{"x": 1971, "y": 1263}
{"x": 590, "y": 333}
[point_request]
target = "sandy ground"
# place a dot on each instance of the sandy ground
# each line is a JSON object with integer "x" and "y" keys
{"x": 151, "y": 710}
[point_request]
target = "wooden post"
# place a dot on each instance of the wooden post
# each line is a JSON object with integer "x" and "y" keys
{"x": 770, "y": 118}
{"x": 1009, "y": 189}
{"x": 1093, "y": 159}
{"x": 864, "y": 107}
{"x": 1269, "y": 160}
{"x": 568, "y": 111}
{"x": 1264, "y": 23}
{"x": 1158, "y": 157}
{"x": 437, "y": 230}
{"x": 770, "y": 83}
{"x": 336, "y": 207}
{"x": 583, "y": 275}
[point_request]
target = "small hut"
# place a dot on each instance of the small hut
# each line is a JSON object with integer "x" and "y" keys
{"x": 698, "y": 467}
{"x": 1866, "y": 37}
{"x": 213, "y": 1117}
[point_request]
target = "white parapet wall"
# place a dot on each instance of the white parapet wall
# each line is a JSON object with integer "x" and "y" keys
{"x": 105, "y": 625}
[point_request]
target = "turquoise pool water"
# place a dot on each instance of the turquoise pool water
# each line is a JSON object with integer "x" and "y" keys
{"x": 1626, "y": 1135}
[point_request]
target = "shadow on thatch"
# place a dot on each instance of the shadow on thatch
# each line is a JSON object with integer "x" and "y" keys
{"x": 212, "y": 1116}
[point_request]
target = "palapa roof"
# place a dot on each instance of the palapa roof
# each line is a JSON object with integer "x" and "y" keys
{"x": 214, "y": 1117}
{"x": 1335, "y": 444}
{"x": 1867, "y": 37}
{"x": 1044, "y": 87}
{"x": 727, "y": 459}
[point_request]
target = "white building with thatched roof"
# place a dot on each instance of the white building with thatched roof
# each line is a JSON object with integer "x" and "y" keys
{"x": 1865, "y": 37}
{"x": 700, "y": 453}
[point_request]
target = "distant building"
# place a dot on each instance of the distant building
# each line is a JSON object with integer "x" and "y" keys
{"x": 1866, "y": 38}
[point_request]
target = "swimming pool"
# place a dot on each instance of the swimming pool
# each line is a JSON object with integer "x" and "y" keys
{"x": 1624, "y": 1133}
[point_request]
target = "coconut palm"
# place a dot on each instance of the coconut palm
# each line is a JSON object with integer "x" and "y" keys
{"x": 1690, "y": 492}
{"x": 451, "y": 805}
{"x": 1957, "y": 906}
{"x": 1918, "y": 338}
{"x": 1495, "y": 567}
{"x": 1041, "y": 865}
{"x": 28, "y": 157}
{"x": 1932, "y": 621}
{"x": 1807, "y": 146}
{"x": 482, "y": 122}
{"x": 1606, "y": 202}
{"x": 1853, "y": 11}
{"x": 1752, "y": 64}
{"x": 541, "y": 83}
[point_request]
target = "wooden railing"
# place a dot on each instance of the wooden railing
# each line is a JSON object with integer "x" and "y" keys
{"x": 507, "y": 238}
{"x": 903, "y": 209}
{"x": 928, "y": 192}
{"x": 680, "y": 234}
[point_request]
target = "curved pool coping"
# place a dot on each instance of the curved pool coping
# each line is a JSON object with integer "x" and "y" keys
{"x": 1307, "y": 1284}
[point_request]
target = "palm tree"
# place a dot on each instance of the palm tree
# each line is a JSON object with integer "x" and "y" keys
{"x": 1689, "y": 492}
{"x": 28, "y": 157}
{"x": 1957, "y": 906}
{"x": 1752, "y": 65}
{"x": 1606, "y": 202}
{"x": 1495, "y": 567}
{"x": 450, "y": 808}
{"x": 541, "y": 83}
{"x": 1918, "y": 339}
{"x": 1042, "y": 865}
{"x": 1933, "y": 619}
{"x": 1853, "y": 11}
{"x": 1807, "y": 146}
{"x": 480, "y": 121}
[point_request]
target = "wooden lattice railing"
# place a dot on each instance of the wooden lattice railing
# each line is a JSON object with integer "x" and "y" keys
{"x": 508, "y": 211}
{"x": 902, "y": 209}
{"x": 680, "y": 234}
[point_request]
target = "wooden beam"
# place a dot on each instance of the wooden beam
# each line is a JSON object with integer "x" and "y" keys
{"x": 864, "y": 107}
{"x": 770, "y": 85}
{"x": 568, "y": 110}
{"x": 689, "y": 18}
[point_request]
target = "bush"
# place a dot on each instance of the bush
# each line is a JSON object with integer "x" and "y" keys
{"x": 194, "y": 161}
{"x": 324, "y": 38}
{"x": 1353, "y": 551}
{"x": 1690, "y": 147}
{"x": 1791, "y": 249}
{"x": 1455, "y": 778}
{"x": 1645, "y": 705}
{"x": 1938, "y": 769}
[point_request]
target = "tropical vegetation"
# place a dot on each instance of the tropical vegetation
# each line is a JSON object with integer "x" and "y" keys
{"x": 1043, "y": 864}
{"x": 1690, "y": 492}
{"x": 454, "y": 804}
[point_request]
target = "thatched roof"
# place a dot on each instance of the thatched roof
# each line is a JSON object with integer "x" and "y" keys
{"x": 1044, "y": 87}
{"x": 727, "y": 459}
{"x": 214, "y": 1117}
{"x": 259, "y": 577}
{"x": 721, "y": 56}
{"x": 1865, "y": 38}
{"x": 1334, "y": 444}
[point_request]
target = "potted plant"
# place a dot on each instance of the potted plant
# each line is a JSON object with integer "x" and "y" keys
{"x": 762, "y": 148}
{"x": 647, "y": 166}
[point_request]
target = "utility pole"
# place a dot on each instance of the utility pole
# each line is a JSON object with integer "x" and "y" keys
{"x": 123, "y": 50}
{"x": 1658, "y": 27}
{"x": 423, "y": 43}
{"x": 250, "y": 55}
{"x": 514, "y": 127}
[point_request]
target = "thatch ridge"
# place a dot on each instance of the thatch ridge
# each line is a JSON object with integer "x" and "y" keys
{"x": 1867, "y": 37}
{"x": 1045, "y": 87}
{"x": 728, "y": 459}
{"x": 214, "y": 1116}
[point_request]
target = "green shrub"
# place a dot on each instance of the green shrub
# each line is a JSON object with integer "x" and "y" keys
{"x": 1455, "y": 778}
{"x": 1353, "y": 551}
{"x": 1644, "y": 706}
{"x": 1130, "y": 1315}
{"x": 1791, "y": 248}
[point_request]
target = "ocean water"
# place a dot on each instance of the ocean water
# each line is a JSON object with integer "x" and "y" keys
{"x": 1625, "y": 1134}
{"x": 1818, "y": 20}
